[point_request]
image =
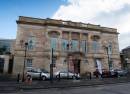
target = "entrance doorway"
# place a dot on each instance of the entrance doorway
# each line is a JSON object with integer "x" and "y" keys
{"x": 76, "y": 63}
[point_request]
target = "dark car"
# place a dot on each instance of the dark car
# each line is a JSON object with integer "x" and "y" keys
{"x": 105, "y": 73}
{"x": 121, "y": 72}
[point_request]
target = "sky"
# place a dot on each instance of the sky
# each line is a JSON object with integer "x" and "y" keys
{"x": 109, "y": 13}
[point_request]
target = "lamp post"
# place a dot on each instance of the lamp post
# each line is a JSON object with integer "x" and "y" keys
{"x": 68, "y": 62}
{"x": 25, "y": 45}
{"x": 68, "y": 68}
{"x": 51, "y": 66}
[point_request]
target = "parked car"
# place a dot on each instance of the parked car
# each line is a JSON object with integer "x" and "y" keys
{"x": 121, "y": 72}
{"x": 105, "y": 73}
{"x": 66, "y": 74}
{"x": 38, "y": 74}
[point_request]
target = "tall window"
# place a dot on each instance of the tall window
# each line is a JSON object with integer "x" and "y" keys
{"x": 75, "y": 45}
{"x": 83, "y": 46}
{"x": 29, "y": 63}
{"x": 110, "y": 48}
{"x": 54, "y": 35}
{"x": 31, "y": 42}
{"x": 65, "y": 44}
{"x": 54, "y": 43}
{"x": 96, "y": 46}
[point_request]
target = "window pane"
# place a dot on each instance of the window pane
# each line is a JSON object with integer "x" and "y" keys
{"x": 83, "y": 46}
{"x": 29, "y": 63}
{"x": 54, "y": 43}
{"x": 96, "y": 46}
{"x": 31, "y": 42}
{"x": 75, "y": 45}
{"x": 64, "y": 44}
{"x": 110, "y": 48}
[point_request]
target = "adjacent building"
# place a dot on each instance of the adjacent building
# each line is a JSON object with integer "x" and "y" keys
{"x": 77, "y": 47}
{"x": 125, "y": 58}
{"x": 6, "y": 58}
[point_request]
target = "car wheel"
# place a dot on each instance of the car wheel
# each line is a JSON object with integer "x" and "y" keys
{"x": 43, "y": 78}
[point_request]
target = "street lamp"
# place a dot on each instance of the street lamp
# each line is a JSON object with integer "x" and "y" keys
{"x": 25, "y": 45}
{"x": 51, "y": 65}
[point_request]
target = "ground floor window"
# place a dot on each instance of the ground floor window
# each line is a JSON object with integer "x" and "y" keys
{"x": 29, "y": 63}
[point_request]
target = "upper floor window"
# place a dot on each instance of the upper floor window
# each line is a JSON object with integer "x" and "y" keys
{"x": 110, "y": 48}
{"x": 54, "y": 35}
{"x": 31, "y": 42}
{"x": 95, "y": 43}
{"x": 54, "y": 43}
{"x": 65, "y": 44}
{"x": 75, "y": 45}
{"x": 95, "y": 46}
{"x": 83, "y": 45}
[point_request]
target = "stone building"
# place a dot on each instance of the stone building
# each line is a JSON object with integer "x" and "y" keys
{"x": 77, "y": 47}
{"x": 125, "y": 58}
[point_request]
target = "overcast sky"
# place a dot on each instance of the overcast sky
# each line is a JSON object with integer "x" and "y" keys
{"x": 109, "y": 13}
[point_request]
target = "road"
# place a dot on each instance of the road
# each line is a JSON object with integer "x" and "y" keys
{"x": 107, "y": 89}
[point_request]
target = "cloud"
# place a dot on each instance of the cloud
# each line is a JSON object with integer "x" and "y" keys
{"x": 111, "y": 13}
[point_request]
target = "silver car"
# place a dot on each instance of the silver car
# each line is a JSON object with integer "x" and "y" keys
{"x": 66, "y": 74}
{"x": 38, "y": 74}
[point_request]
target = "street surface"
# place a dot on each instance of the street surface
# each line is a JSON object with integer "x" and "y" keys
{"x": 122, "y": 88}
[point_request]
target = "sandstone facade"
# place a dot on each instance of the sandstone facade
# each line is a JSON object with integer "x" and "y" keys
{"x": 78, "y": 47}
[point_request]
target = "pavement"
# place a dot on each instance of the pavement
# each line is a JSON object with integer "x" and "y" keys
{"x": 122, "y": 88}
{"x": 13, "y": 86}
